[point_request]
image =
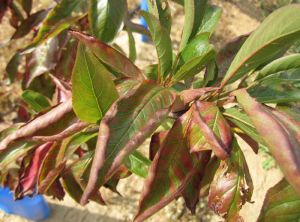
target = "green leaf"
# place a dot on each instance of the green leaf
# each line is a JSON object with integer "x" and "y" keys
{"x": 194, "y": 13}
{"x": 131, "y": 44}
{"x": 161, "y": 10}
{"x": 272, "y": 38}
{"x": 106, "y": 17}
{"x": 35, "y": 100}
{"x": 279, "y": 136}
{"x": 232, "y": 186}
{"x": 210, "y": 20}
{"x": 93, "y": 89}
{"x": 110, "y": 56}
{"x": 281, "y": 64}
{"x": 138, "y": 164}
{"x": 242, "y": 120}
{"x": 12, "y": 67}
{"x": 162, "y": 42}
{"x": 64, "y": 14}
{"x": 281, "y": 204}
{"x": 172, "y": 170}
{"x": 132, "y": 119}
{"x": 194, "y": 57}
{"x": 281, "y": 88}
{"x": 14, "y": 151}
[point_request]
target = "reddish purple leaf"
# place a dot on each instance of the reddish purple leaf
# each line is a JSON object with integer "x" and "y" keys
{"x": 28, "y": 24}
{"x": 110, "y": 56}
{"x": 280, "y": 140}
{"x": 28, "y": 179}
{"x": 156, "y": 143}
{"x": 210, "y": 130}
{"x": 131, "y": 119}
{"x": 40, "y": 125}
{"x": 172, "y": 170}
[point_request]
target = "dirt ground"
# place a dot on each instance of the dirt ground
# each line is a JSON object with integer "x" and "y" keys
{"x": 235, "y": 21}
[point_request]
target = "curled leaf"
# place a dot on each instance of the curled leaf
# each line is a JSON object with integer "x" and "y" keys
{"x": 39, "y": 123}
{"x": 231, "y": 187}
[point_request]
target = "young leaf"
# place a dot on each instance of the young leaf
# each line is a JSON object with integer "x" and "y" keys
{"x": 126, "y": 125}
{"x": 172, "y": 170}
{"x": 161, "y": 10}
{"x": 35, "y": 100}
{"x": 279, "y": 140}
{"x": 194, "y": 13}
{"x": 162, "y": 42}
{"x": 64, "y": 14}
{"x": 106, "y": 17}
{"x": 92, "y": 87}
{"x": 267, "y": 42}
{"x": 108, "y": 55}
{"x": 281, "y": 204}
{"x": 232, "y": 186}
{"x": 194, "y": 57}
{"x": 281, "y": 64}
{"x": 210, "y": 20}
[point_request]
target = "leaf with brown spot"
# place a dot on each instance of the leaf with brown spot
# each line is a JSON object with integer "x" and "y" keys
{"x": 172, "y": 171}
{"x": 232, "y": 186}
{"x": 277, "y": 136}
{"x": 132, "y": 119}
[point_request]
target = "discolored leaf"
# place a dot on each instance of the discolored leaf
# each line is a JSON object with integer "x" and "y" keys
{"x": 106, "y": 17}
{"x": 35, "y": 100}
{"x": 64, "y": 14}
{"x": 27, "y": 6}
{"x": 281, "y": 204}
{"x": 194, "y": 13}
{"x": 28, "y": 24}
{"x": 279, "y": 136}
{"x": 162, "y": 43}
{"x": 156, "y": 143}
{"x": 111, "y": 57}
{"x": 12, "y": 68}
{"x": 232, "y": 186}
{"x": 194, "y": 57}
{"x": 172, "y": 170}
{"x": 267, "y": 42}
{"x": 132, "y": 119}
{"x": 92, "y": 87}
